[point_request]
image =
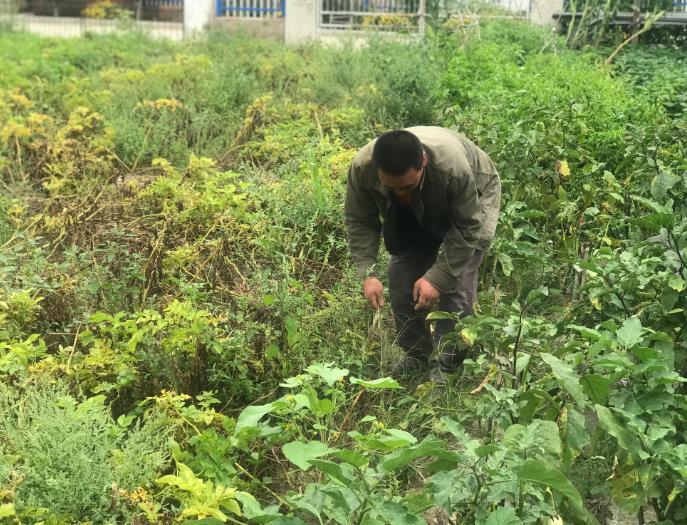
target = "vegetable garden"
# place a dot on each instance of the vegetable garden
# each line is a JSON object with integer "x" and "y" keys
{"x": 182, "y": 335}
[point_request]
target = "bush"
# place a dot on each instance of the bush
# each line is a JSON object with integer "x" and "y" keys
{"x": 67, "y": 454}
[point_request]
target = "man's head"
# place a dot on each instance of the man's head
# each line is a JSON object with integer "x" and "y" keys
{"x": 400, "y": 160}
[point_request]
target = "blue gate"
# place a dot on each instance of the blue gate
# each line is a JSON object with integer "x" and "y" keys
{"x": 251, "y": 8}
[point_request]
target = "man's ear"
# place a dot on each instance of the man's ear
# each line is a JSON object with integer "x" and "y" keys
{"x": 425, "y": 160}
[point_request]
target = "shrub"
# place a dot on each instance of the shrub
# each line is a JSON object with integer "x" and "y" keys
{"x": 68, "y": 453}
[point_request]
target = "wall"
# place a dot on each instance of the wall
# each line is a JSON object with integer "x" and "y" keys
{"x": 302, "y": 22}
{"x": 541, "y": 11}
{"x": 271, "y": 28}
{"x": 198, "y": 14}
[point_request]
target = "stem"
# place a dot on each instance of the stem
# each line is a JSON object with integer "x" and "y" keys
{"x": 657, "y": 509}
{"x": 140, "y": 152}
{"x": 253, "y": 478}
{"x": 348, "y": 415}
{"x": 515, "y": 347}
{"x": 683, "y": 264}
{"x": 647, "y": 25}
{"x": 21, "y": 167}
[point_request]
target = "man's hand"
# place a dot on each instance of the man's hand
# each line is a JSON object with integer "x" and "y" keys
{"x": 373, "y": 291}
{"x": 424, "y": 294}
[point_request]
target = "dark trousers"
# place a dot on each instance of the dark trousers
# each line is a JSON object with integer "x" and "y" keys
{"x": 412, "y": 334}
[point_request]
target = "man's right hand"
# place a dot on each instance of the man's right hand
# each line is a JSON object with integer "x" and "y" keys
{"x": 373, "y": 291}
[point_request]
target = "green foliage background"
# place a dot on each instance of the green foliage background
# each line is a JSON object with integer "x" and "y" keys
{"x": 174, "y": 276}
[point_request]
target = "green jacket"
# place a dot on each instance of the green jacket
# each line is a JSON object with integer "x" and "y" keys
{"x": 458, "y": 201}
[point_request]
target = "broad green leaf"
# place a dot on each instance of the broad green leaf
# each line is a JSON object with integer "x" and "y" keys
{"x": 345, "y": 503}
{"x": 506, "y": 263}
{"x": 334, "y": 470}
{"x": 486, "y": 450}
{"x": 271, "y": 352}
{"x": 448, "y": 489}
{"x": 100, "y": 317}
{"x": 300, "y": 453}
{"x": 666, "y": 209}
{"x": 669, "y": 298}
{"x": 502, "y": 516}
{"x": 376, "y": 384}
{"x": 455, "y": 428}
{"x": 546, "y": 474}
{"x": 531, "y": 401}
{"x": 676, "y": 282}
{"x": 287, "y": 520}
{"x": 312, "y": 500}
{"x": 523, "y": 361}
{"x": 396, "y": 513}
{"x": 251, "y": 507}
{"x": 630, "y": 333}
{"x": 613, "y": 360}
{"x": 596, "y": 387}
{"x": 662, "y": 183}
{"x": 329, "y": 373}
{"x": 540, "y": 434}
{"x": 448, "y": 459}
{"x": 575, "y": 433}
{"x": 654, "y": 222}
{"x": 402, "y": 435}
{"x": 352, "y": 457}
{"x": 677, "y": 458}
{"x": 547, "y": 436}
{"x": 567, "y": 376}
{"x": 626, "y": 440}
{"x": 321, "y": 407}
{"x": 511, "y": 437}
{"x": 469, "y": 335}
{"x": 402, "y": 457}
{"x": 253, "y": 511}
{"x": 250, "y": 416}
{"x": 589, "y": 333}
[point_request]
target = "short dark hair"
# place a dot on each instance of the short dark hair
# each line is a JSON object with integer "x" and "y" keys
{"x": 396, "y": 151}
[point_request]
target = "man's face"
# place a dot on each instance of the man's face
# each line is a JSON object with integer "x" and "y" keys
{"x": 406, "y": 183}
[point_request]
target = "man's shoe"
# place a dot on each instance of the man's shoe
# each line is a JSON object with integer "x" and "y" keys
{"x": 410, "y": 366}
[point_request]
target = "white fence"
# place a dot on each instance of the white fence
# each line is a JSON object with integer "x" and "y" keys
{"x": 404, "y": 15}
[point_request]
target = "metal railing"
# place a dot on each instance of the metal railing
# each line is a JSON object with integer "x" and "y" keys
{"x": 160, "y": 18}
{"x": 391, "y": 15}
{"x": 251, "y": 8}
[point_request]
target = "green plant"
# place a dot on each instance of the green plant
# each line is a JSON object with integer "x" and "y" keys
{"x": 67, "y": 454}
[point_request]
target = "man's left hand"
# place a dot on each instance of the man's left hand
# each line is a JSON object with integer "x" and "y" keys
{"x": 424, "y": 294}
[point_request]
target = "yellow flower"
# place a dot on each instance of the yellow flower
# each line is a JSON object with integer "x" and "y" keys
{"x": 14, "y": 129}
{"x": 161, "y": 103}
{"x": 20, "y": 100}
{"x": 563, "y": 169}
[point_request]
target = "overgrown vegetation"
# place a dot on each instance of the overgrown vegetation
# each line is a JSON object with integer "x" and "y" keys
{"x": 182, "y": 337}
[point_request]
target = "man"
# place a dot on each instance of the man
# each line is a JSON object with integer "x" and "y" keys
{"x": 435, "y": 198}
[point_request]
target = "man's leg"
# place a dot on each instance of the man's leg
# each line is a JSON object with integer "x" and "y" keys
{"x": 452, "y": 352}
{"x": 412, "y": 335}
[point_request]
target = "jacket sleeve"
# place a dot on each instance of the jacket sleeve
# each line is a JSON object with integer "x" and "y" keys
{"x": 462, "y": 237}
{"x": 363, "y": 226}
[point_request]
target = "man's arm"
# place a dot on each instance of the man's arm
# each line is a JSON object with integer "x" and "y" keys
{"x": 461, "y": 239}
{"x": 363, "y": 226}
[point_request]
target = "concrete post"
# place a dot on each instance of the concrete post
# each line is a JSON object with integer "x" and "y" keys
{"x": 541, "y": 11}
{"x": 197, "y": 16}
{"x": 301, "y": 22}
